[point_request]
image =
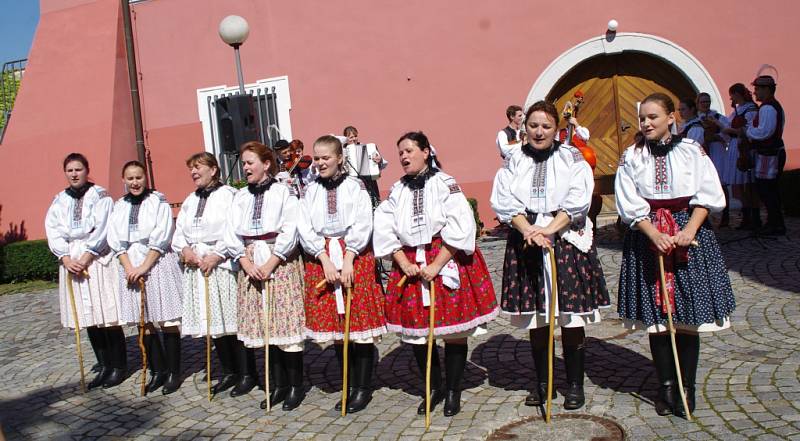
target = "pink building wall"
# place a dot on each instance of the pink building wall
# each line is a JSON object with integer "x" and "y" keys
{"x": 448, "y": 68}
{"x": 74, "y": 97}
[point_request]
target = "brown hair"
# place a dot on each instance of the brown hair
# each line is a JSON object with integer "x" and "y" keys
{"x": 662, "y": 100}
{"x": 422, "y": 142}
{"x": 76, "y": 157}
{"x": 264, "y": 154}
{"x": 543, "y": 106}
{"x": 297, "y": 144}
{"x": 206, "y": 159}
{"x": 512, "y": 110}
{"x": 332, "y": 141}
{"x": 742, "y": 90}
{"x": 133, "y": 163}
{"x": 350, "y": 129}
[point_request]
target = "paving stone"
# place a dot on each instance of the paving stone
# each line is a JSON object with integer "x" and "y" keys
{"x": 747, "y": 384}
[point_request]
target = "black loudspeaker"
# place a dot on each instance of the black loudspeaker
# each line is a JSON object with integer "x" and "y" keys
{"x": 236, "y": 122}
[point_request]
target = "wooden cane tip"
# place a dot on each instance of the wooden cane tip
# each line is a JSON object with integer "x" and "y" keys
{"x": 321, "y": 284}
{"x": 402, "y": 281}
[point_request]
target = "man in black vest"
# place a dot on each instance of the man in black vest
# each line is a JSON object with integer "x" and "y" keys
{"x": 766, "y": 136}
{"x": 510, "y": 135}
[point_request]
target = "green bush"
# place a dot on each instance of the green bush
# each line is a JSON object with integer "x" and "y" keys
{"x": 27, "y": 260}
{"x": 790, "y": 192}
{"x": 478, "y": 223}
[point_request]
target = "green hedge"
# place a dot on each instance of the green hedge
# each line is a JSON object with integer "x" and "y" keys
{"x": 790, "y": 192}
{"x": 27, "y": 260}
{"x": 478, "y": 223}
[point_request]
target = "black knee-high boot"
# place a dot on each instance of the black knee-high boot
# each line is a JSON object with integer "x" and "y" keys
{"x": 351, "y": 375}
{"x": 246, "y": 365}
{"x": 227, "y": 361}
{"x": 172, "y": 350}
{"x": 688, "y": 356}
{"x": 156, "y": 360}
{"x": 97, "y": 338}
{"x": 538, "y": 338}
{"x": 294, "y": 368}
{"x": 455, "y": 360}
{"x": 116, "y": 355}
{"x": 279, "y": 378}
{"x": 437, "y": 393}
{"x": 661, "y": 349}
{"x": 363, "y": 363}
{"x": 573, "y": 340}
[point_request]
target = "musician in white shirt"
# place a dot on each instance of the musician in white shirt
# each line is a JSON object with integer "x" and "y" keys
{"x": 511, "y": 135}
{"x": 76, "y": 225}
{"x": 139, "y": 233}
{"x": 199, "y": 240}
{"x": 262, "y": 236}
{"x": 427, "y": 226}
{"x": 355, "y": 168}
{"x": 665, "y": 187}
{"x": 336, "y": 233}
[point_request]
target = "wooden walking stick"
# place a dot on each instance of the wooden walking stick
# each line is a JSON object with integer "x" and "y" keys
{"x": 208, "y": 338}
{"x": 671, "y": 327}
{"x": 346, "y": 351}
{"x": 552, "y": 317}
{"x": 71, "y": 291}
{"x": 141, "y": 334}
{"x": 431, "y": 317}
{"x": 266, "y": 294}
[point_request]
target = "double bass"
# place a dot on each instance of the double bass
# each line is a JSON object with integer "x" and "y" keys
{"x": 570, "y": 110}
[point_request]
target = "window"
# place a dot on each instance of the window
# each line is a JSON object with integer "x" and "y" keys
{"x": 272, "y": 105}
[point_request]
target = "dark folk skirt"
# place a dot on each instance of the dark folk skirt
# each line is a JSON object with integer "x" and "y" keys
{"x": 703, "y": 293}
{"x": 581, "y": 284}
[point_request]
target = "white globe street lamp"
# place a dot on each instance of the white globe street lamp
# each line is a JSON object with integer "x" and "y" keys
{"x": 233, "y": 30}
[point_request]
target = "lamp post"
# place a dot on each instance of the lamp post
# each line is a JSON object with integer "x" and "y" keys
{"x": 233, "y": 30}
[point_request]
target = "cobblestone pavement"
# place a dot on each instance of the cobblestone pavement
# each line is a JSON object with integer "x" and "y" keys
{"x": 747, "y": 383}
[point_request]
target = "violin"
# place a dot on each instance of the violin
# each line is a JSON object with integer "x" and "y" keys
{"x": 570, "y": 110}
{"x": 297, "y": 161}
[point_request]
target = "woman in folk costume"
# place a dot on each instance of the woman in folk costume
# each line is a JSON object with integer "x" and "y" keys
{"x": 76, "y": 225}
{"x": 739, "y": 174}
{"x": 665, "y": 188}
{"x": 335, "y": 233}
{"x": 427, "y": 226}
{"x": 139, "y": 233}
{"x": 544, "y": 193}
{"x": 262, "y": 236}
{"x": 199, "y": 240}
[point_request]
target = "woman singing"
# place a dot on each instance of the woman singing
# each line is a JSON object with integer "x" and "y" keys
{"x": 199, "y": 239}
{"x": 665, "y": 187}
{"x": 76, "y": 225}
{"x": 428, "y": 228}
{"x": 139, "y": 233}
{"x": 544, "y": 192}
{"x": 262, "y": 236}
{"x": 335, "y": 233}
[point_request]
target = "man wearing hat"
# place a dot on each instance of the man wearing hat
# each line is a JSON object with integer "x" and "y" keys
{"x": 766, "y": 136}
{"x": 283, "y": 153}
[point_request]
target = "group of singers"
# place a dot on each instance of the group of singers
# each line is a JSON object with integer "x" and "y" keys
{"x": 303, "y": 253}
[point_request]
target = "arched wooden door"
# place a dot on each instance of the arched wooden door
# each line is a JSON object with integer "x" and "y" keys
{"x": 612, "y": 85}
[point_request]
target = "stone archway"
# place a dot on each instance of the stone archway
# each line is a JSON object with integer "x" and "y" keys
{"x": 678, "y": 57}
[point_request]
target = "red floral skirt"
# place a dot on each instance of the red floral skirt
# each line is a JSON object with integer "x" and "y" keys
{"x": 472, "y": 304}
{"x": 323, "y": 322}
